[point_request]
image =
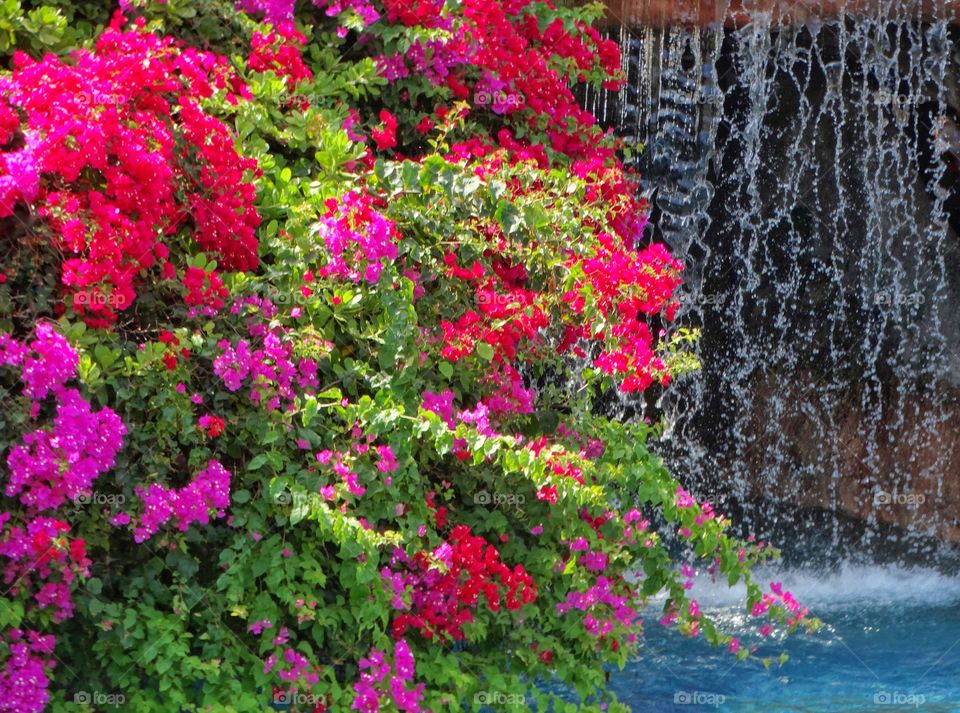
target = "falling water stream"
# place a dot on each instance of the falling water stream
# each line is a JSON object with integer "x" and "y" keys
{"x": 806, "y": 175}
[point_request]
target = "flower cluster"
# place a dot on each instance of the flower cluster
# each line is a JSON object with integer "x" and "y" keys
{"x": 46, "y": 363}
{"x": 294, "y": 667}
{"x": 380, "y": 684}
{"x": 267, "y": 364}
{"x": 9, "y": 123}
{"x": 439, "y": 592}
{"x": 102, "y": 166}
{"x": 589, "y": 448}
{"x": 385, "y": 135}
{"x": 211, "y": 425}
{"x": 60, "y": 463}
{"x": 507, "y": 316}
{"x": 346, "y": 464}
{"x": 509, "y": 393}
{"x": 48, "y": 468}
{"x": 23, "y": 680}
{"x": 274, "y": 11}
{"x": 606, "y": 614}
{"x": 279, "y": 52}
{"x": 54, "y": 465}
{"x": 418, "y": 12}
{"x": 519, "y": 60}
{"x": 42, "y": 560}
{"x": 19, "y": 177}
{"x": 364, "y": 9}
{"x": 358, "y": 238}
{"x": 609, "y": 185}
{"x": 290, "y": 665}
{"x": 205, "y": 290}
{"x": 779, "y": 597}
{"x": 559, "y": 462}
{"x": 622, "y": 286}
{"x": 498, "y": 54}
{"x": 507, "y": 396}
{"x": 441, "y": 404}
{"x": 173, "y": 352}
{"x": 209, "y": 490}
{"x": 220, "y": 198}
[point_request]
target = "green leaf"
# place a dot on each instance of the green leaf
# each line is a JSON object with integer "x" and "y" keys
{"x": 310, "y": 408}
{"x": 104, "y": 355}
{"x": 300, "y": 510}
{"x": 350, "y": 549}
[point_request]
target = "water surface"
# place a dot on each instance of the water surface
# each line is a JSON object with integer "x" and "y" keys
{"x": 890, "y": 642}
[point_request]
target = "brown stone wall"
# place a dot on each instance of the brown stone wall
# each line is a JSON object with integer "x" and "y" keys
{"x": 915, "y": 479}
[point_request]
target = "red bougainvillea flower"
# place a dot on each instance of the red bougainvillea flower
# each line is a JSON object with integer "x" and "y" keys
{"x": 118, "y": 153}
{"x": 205, "y": 290}
{"x": 279, "y": 52}
{"x": 442, "y": 599}
{"x": 385, "y": 135}
{"x": 212, "y": 426}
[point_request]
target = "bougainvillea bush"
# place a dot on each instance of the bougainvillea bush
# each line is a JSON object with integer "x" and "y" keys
{"x": 305, "y": 315}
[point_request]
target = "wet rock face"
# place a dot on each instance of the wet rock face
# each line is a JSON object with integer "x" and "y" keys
{"x": 844, "y": 281}
{"x": 889, "y": 466}
{"x": 808, "y": 176}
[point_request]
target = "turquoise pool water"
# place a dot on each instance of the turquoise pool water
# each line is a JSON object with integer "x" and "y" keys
{"x": 890, "y": 642}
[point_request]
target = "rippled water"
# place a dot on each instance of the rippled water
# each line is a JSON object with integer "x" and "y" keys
{"x": 890, "y": 642}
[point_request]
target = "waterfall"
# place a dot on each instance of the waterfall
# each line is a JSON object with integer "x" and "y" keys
{"x": 807, "y": 177}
